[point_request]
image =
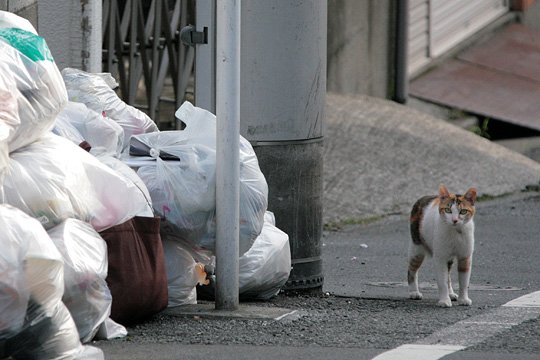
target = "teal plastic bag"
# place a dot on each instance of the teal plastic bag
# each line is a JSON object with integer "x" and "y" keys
{"x": 31, "y": 87}
{"x": 32, "y": 46}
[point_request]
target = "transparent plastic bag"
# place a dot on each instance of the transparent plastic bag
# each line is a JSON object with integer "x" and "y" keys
{"x": 9, "y": 107}
{"x": 78, "y": 123}
{"x": 4, "y": 163}
{"x": 47, "y": 330}
{"x": 39, "y": 89}
{"x": 183, "y": 274}
{"x": 64, "y": 128}
{"x": 183, "y": 190}
{"x": 44, "y": 266}
{"x": 53, "y": 179}
{"x": 253, "y": 193}
{"x": 14, "y": 292}
{"x": 86, "y": 294}
{"x": 265, "y": 268}
{"x": 199, "y": 254}
{"x": 130, "y": 175}
{"x": 46, "y": 335}
{"x": 110, "y": 329}
{"x": 12, "y": 20}
{"x": 95, "y": 91}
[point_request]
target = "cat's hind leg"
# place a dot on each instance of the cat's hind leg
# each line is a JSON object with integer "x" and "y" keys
{"x": 416, "y": 257}
{"x": 451, "y": 293}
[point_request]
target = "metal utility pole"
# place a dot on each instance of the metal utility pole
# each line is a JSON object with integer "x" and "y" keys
{"x": 227, "y": 157}
{"x": 282, "y": 109}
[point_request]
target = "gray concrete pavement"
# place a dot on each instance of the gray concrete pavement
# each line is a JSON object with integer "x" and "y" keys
{"x": 366, "y": 311}
{"x": 237, "y": 352}
{"x": 379, "y": 158}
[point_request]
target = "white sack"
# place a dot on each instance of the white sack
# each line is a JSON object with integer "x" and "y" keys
{"x": 9, "y": 106}
{"x": 183, "y": 191}
{"x": 86, "y": 294}
{"x": 12, "y": 20}
{"x": 94, "y": 90}
{"x": 35, "y": 81}
{"x": 47, "y": 330}
{"x": 78, "y": 123}
{"x": 53, "y": 179}
{"x": 131, "y": 176}
{"x": 183, "y": 274}
{"x": 265, "y": 268}
{"x": 110, "y": 329}
{"x": 14, "y": 292}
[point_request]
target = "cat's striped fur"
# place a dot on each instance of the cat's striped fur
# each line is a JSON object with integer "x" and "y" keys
{"x": 442, "y": 227}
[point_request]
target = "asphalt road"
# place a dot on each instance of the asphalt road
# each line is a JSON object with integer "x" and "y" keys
{"x": 364, "y": 311}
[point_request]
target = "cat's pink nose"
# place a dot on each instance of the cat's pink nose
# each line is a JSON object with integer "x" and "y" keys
{"x": 454, "y": 221}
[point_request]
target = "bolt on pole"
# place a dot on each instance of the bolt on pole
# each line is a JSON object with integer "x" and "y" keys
{"x": 227, "y": 147}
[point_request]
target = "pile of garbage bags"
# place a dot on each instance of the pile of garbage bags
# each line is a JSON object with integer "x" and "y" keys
{"x": 105, "y": 219}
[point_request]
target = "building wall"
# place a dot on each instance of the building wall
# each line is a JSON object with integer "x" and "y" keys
{"x": 72, "y": 29}
{"x": 360, "y": 47}
{"x": 28, "y": 9}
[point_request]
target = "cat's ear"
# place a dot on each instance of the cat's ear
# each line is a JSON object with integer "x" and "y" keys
{"x": 470, "y": 195}
{"x": 443, "y": 192}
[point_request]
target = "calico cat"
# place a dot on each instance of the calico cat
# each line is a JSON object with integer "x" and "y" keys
{"x": 442, "y": 227}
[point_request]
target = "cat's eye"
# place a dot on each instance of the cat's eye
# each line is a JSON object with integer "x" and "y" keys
{"x": 463, "y": 212}
{"x": 448, "y": 210}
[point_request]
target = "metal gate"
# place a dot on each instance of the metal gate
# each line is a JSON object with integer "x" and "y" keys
{"x": 143, "y": 51}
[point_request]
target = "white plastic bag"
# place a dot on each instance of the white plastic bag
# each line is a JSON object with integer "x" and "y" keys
{"x": 129, "y": 175}
{"x": 110, "y": 329}
{"x": 40, "y": 91}
{"x": 9, "y": 107}
{"x": 64, "y": 128}
{"x": 14, "y": 292}
{"x": 86, "y": 294}
{"x": 44, "y": 266}
{"x": 79, "y": 123}
{"x": 265, "y": 268}
{"x": 95, "y": 91}
{"x": 4, "y": 163}
{"x": 183, "y": 190}
{"x": 11, "y": 20}
{"x": 47, "y": 336}
{"x": 253, "y": 193}
{"x": 53, "y": 179}
{"x": 183, "y": 274}
{"x": 47, "y": 331}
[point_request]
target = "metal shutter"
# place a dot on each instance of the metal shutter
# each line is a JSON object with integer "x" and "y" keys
{"x": 418, "y": 50}
{"x": 435, "y": 26}
{"x": 454, "y": 20}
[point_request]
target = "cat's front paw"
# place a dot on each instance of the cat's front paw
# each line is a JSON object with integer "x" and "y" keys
{"x": 415, "y": 295}
{"x": 465, "y": 301}
{"x": 445, "y": 303}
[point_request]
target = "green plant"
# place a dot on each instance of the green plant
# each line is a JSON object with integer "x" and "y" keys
{"x": 482, "y": 129}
